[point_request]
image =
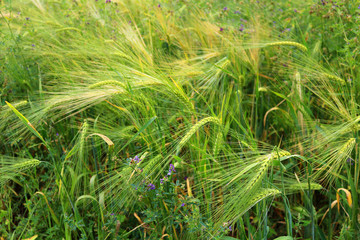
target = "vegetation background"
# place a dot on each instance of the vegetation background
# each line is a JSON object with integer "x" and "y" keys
{"x": 178, "y": 119}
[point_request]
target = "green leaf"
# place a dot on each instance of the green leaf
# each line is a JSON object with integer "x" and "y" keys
{"x": 27, "y": 123}
{"x": 284, "y": 238}
{"x": 140, "y": 131}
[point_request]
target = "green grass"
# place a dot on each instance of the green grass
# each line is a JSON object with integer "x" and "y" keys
{"x": 179, "y": 119}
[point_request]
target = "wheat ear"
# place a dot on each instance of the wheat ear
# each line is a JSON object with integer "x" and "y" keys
{"x": 196, "y": 127}
{"x": 289, "y": 43}
{"x": 107, "y": 82}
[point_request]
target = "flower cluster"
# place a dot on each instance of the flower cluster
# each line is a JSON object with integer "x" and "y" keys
{"x": 151, "y": 186}
{"x": 135, "y": 160}
{"x": 171, "y": 170}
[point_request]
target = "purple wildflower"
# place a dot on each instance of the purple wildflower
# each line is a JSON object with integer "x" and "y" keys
{"x": 359, "y": 7}
{"x": 136, "y": 159}
{"x": 33, "y": 45}
{"x": 112, "y": 214}
{"x": 225, "y": 9}
{"x": 350, "y": 161}
{"x": 286, "y": 30}
{"x": 57, "y": 134}
{"x": 172, "y": 167}
{"x": 295, "y": 10}
{"x": 159, "y": 6}
{"x": 108, "y": 1}
{"x": 162, "y": 181}
{"x": 230, "y": 228}
{"x": 237, "y": 12}
{"x": 221, "y": 29}
{"x": 27, "y": 19}
{"x": 151, "y": 186}
{"x": 241, "y": 28}
{"x": 183, "y": 204}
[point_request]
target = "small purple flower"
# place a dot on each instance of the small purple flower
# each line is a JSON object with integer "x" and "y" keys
{"x": 33, "y": 45}
{"x": 57, "y": 134}
{"x": 286, "y": 30}
{"x": 151, "y": 186}
{"x": 221, "y": 29}
{"x": 230, "y": 228}
{"x": 237, "y": 12}
{"x": 159, "y": 6}
{"x": 225, "y": 9}
{"x": 172, "y": 168}
{"x": 241, "y": 28}
{"x": 183, "y": 204}
{"x": 350, "y": 161}
{"x": 112, "y": 214}
{"x": 295, "y": 10}
{"x": 162, "y": 181}
{"x": 27, "y": 19}
{"x": 108, "y": 1}
{"x": 136, "y": 159}
{"x": 359, "y": 7}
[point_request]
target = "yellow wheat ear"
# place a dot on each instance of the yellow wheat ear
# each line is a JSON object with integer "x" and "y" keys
{"x": 289, "y": 43}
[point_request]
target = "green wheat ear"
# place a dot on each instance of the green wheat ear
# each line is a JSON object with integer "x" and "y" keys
{"x": 196, "y": 127}
{"x": 10, "y": 167}
{"x": 107, "y": 82}
{"x": 260, "y": 195}
{"x": 336, "y": 78}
